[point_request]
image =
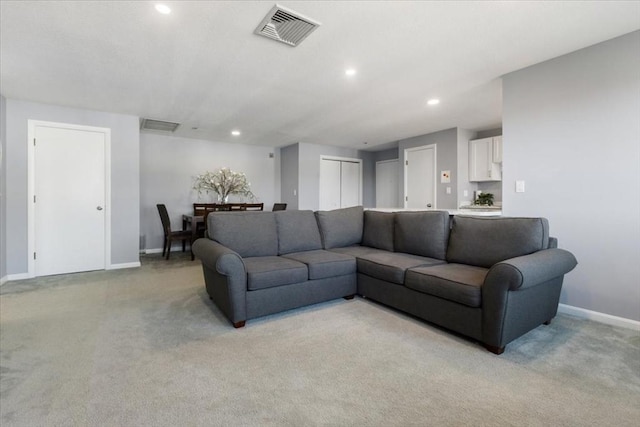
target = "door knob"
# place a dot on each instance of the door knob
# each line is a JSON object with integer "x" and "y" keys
{"x": 99, "y": 208}
{"x": 428, "y": 205}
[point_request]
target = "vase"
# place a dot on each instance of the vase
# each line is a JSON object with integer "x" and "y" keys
{"x": 223, "y": 200}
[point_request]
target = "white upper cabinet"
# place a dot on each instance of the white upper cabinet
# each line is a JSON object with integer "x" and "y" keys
{"x": 497, "y": 149}
{"x": 485, "y": 158}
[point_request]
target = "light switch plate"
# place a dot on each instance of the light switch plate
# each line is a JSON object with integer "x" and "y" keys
{"x": 519, "y": 186}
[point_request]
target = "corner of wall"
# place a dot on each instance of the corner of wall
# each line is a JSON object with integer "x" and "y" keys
{"x": 3, "y": 189}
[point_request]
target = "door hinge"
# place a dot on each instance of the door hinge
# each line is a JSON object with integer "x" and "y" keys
{"x": 34, "y": 198}
{"x": 34, "y": 142}
{"x": 34, "y": 255}
{"x": 406, "y": 162}
{"x": 406, "y": 198}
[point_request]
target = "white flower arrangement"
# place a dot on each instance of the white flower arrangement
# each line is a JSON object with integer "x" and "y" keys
{"x": 224, "y": 182}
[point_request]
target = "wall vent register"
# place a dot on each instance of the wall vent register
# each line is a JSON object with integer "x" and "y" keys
{"x": 286, "y": 26}
{"x": 158, "y": 125}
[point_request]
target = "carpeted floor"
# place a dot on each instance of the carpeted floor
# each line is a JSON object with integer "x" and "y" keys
{"x": 145, "y": 347}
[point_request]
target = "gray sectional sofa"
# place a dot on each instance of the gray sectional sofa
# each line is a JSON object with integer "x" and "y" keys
{"x": 490, "y": 279}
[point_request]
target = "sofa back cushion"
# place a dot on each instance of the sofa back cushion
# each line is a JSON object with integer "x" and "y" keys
{"x": 340, "y": 227}
{"x": 483, "y": 241}
{"x": 378, "y": 230}
{"x": 250, "y": 234}
{"x": 422, "y": 233}
{"x": 297, "y": 232}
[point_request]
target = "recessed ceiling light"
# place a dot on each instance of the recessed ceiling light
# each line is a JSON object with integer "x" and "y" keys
{"x": 433, "y": 101}
{"x": 163, "y": 8}
{"x": 235, "y": 132}
{"x": 350, "y": 71}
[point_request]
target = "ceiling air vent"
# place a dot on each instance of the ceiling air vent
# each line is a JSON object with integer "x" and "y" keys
{"x": 158, "y": 125}
{"x": 286, "y": 26}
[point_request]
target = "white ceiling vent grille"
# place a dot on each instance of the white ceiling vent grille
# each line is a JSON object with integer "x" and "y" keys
{"x": 158, "y": 125}
{"x": 286, "y": 26}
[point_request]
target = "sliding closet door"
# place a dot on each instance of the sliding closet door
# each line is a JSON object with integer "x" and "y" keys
{"x": 330, "y": 179}
{"x": 340, "y": 183}
{"x": 349, "y": 184}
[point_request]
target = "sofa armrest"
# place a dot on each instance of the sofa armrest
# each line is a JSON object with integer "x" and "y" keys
{"x": 521, "y": 293}
{"x": 218, "y": 257}
{"x": 530, "y": 270}
{"x": 225, "y": 278}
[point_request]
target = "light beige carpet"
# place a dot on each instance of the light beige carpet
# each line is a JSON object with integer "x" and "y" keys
{"x": 145, "y": 347}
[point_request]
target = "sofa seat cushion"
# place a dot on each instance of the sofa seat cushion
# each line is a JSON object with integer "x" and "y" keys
{"x": 356, "y": 250}
{"x": 323, "y": 264}
{"x": 455, "y": 282}
{"x": 270, "y": 271}
{"x": 391, "y": 266}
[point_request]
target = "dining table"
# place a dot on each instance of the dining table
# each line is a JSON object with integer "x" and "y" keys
{"x": 190, "y": 221}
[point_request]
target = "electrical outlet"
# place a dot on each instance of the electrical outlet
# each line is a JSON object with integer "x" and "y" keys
{"x": 448, "y": 190}
{"x": 519, "y": 186}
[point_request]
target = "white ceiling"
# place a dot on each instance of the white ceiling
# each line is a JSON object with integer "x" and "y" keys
{"x": 202, "y": 65}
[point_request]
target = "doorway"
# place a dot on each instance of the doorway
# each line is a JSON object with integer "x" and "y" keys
{"x": 420, "y": 178}
{"x": 69, "y": 191}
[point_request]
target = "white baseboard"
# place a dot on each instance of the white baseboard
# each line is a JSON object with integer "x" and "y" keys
{"x": 3, "y": 280}
{"x": 20, "y": 276}
{"x": 123, "y": 265}
{"x": 599, "y": 317}
{"x": 151, "y": 251}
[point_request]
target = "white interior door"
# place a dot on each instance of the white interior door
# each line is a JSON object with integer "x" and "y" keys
{"x": 387, "y": 184}
{"x": 69, "y": 200}
{"x": 420, "y": 167}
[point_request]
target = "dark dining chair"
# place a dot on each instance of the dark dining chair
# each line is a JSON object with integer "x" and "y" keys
{"x": 254, "y": 206}
{"x": 169, "y": 236}
{"x": 279, "y": 207}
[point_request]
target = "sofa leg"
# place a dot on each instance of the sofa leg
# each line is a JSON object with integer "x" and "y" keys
{"x": 349, "y": 296}
{"x": 239, "y": 324}
{"x": 494, "y": 349}
{"x": 548, "y": 322}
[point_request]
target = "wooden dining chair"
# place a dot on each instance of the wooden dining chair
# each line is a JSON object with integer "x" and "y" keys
{"x": 279, "y": 207}
{"x": 236, "y": 206}
{"x": 254, "y": 206}
{"x": 169, "y": 236}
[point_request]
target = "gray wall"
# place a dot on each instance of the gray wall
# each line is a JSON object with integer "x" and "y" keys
{"x": 463, "y": 184}
{"x": 168, "y": 165}
{"x": 289, "y": 176}
{"x": 3, "y": 188}
{"x": 368, "y": 179}
{"x": 572, "y": 133}
{"x": 446, "y": 142}
{"x": 390, "y": 154}
{"x": 125, "y": 190}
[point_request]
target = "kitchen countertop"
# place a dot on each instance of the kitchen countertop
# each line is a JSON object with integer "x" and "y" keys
{"x": 472, "y": 211}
